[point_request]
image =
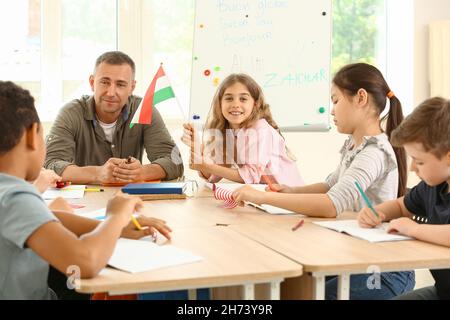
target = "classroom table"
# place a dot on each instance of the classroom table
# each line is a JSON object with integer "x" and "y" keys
{"x": 229, "y": 258}
{"x": 320, "y": 251}
{"x": 323, "y": 252}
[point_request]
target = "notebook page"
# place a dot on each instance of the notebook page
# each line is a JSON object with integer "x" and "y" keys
{"x": 370, "y": 234}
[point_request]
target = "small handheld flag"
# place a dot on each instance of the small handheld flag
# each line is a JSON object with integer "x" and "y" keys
{"x": 223, "y": 194}
{"x": 158, "y": 91}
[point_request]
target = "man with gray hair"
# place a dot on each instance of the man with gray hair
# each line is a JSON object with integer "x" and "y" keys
{"x": 91, "y": 141}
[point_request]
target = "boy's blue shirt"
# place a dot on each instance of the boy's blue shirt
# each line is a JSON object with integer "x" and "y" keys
{"x": 23, "y": 274}
{"x": 434, "y": 204}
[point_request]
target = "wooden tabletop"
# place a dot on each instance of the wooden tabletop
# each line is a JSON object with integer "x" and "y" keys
{"x": 229, "y": 237}
{"x": 229, "y": 258}
{"x": 322, "y": 250}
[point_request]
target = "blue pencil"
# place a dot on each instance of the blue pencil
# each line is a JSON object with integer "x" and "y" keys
{"x": 366, "y": 200}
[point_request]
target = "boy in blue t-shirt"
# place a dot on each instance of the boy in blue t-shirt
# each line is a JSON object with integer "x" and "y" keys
{"x": 32, "y": 236}
{"x": 423, "y": 213}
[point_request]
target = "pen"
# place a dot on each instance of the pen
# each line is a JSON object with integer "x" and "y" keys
{"x": 136, "y": 223}
{"x": 366, "y": 200}
{"x": 298, "y": 225}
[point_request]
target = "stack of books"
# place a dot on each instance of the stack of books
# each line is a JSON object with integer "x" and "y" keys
{"x": 157, "y": 191}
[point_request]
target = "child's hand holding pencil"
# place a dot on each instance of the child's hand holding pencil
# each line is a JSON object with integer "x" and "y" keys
{"x": 143, "y": 226}
{"x": 366, "y": 218}
{"x": 124, "y": 206}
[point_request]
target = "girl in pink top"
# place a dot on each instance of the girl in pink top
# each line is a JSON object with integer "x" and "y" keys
{"x": 242, "y": 142}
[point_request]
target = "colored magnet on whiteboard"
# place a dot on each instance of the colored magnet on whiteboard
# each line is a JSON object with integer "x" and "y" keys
{"x": 216, "y": 82}
{"x": 195, "y": 58}
{"x": 322, "y": 110}
{"x": 201, "y": 26}
{"x": 207, "y": 73}
{"x": 217, "y": 69}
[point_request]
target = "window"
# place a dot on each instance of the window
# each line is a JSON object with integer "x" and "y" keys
{"x": 359, "y": 33}
{"x": 21, "y": 41}
{"x": 50, "y": 46}
{"x": 172, "y": 31}
{"x": 88, "y": 30}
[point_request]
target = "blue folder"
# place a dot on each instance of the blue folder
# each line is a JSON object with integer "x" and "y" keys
{"x": 155, "y": 188}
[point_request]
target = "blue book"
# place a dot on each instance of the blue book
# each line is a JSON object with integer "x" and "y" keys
{"x": 155, "y": 188}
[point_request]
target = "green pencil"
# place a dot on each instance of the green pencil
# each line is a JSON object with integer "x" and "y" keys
{"x": 366, "y": 200}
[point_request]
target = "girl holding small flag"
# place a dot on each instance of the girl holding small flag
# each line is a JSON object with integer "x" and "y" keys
{"x": 242, "y": 142}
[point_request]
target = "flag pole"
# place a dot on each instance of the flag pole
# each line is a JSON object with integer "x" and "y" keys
{"x": 176, "y": 97}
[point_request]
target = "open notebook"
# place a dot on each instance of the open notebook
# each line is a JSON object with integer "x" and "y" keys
{"x": 352, "y": 228}
{"x": 145, "y": 255}
{"x": 261, "y": 187}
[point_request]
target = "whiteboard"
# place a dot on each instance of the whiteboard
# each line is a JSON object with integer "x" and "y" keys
{"x": 285, "y": 45}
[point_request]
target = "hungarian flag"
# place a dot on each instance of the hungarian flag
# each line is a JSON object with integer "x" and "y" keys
{"x": 158, "y": 91}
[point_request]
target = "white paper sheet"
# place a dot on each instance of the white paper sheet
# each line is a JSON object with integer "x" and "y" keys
{"x": 70, "y": 192}
{"x": 144, "y": 255}
{"x": 96, "y": 214}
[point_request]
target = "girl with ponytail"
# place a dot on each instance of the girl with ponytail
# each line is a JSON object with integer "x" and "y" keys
{"x": 241, "y": 141}
{"x": 359, "y": 94}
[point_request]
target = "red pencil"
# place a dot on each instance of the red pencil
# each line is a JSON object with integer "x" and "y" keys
{"x": 298, "y": 225}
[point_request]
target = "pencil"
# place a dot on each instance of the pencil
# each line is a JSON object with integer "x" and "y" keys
{"x": 136, "y": 223}
{"x": 298, "y": 225}
{"x": 85, "y": 189}
{"x": 366, "y": 200}
{"x": 94, "y": 190}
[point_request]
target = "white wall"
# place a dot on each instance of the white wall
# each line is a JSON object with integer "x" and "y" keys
{"x": 425, "y": 11}
{"x": 399, "y": 51}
